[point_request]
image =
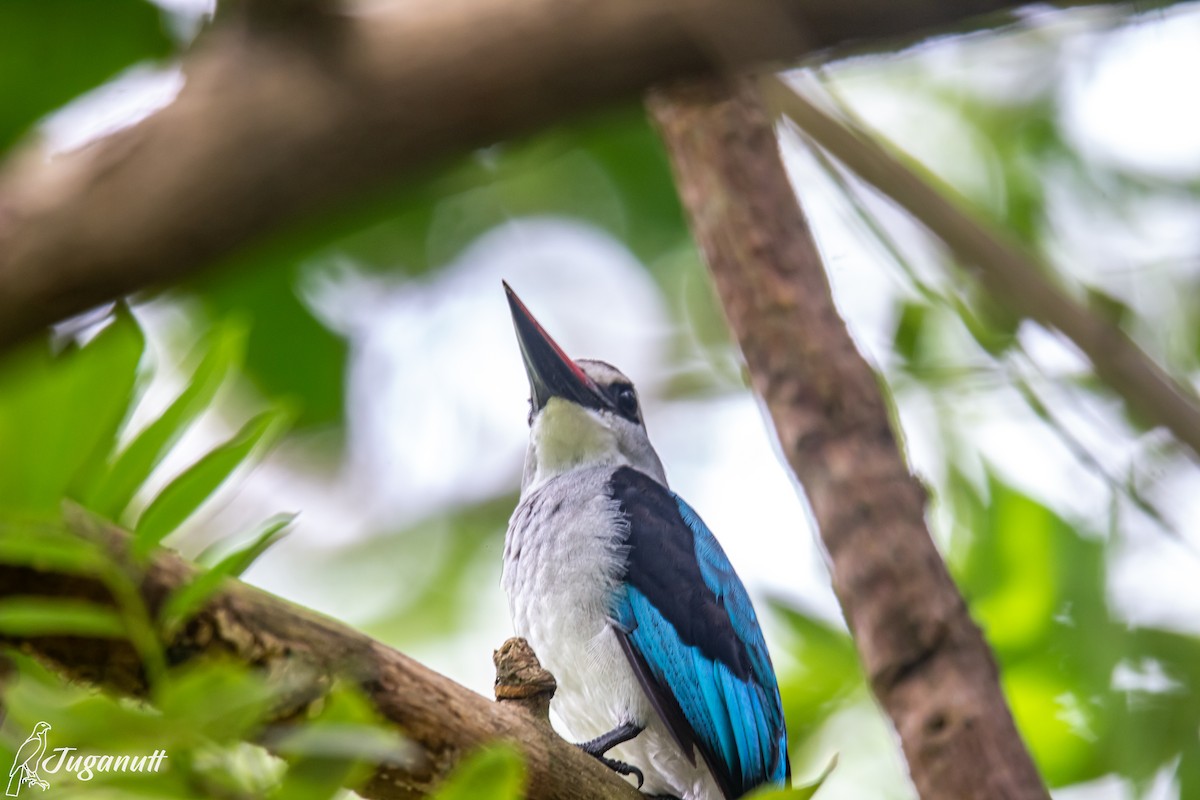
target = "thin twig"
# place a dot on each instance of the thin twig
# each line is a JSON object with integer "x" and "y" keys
{"x": 1015, "y": 379}
{"x": 1002, "y": 265}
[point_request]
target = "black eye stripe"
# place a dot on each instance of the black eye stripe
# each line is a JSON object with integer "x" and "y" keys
{"x": 624, "y": 398}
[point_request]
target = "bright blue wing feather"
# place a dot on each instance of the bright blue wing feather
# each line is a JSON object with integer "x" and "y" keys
{"x": 737, "y": 721}
{"x": 723, "y": 581}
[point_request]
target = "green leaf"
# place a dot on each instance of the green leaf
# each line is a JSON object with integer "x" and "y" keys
{"x": 54, "y": 50}
{"x": 1053, "y": 720}
{"x": 188, "y": 598}
{"x": 796, "y": 792}
{"x": 289, "y": 352}
{"x": 1150, "y": 725}
{"x": 23, "y": 616}
{"x": 46, "y": 548}
{"x": 339, "y": 747}
{"x": 1018, "y": 610}
{"x": 224, "y": 348}
{"x": 349, "y": 741}
{"x": 59, "y": 415}
{"x": 107, "y": 386}
{"x": 822, "y": 671}
{"x": 494, "y": 773}
{"x": 430, "y": 591}
{"x": 1112, "y": 308}
{"x": 217, "y": 700}
{"x": 907, "y": 339}
{"x": 180, "y": 499}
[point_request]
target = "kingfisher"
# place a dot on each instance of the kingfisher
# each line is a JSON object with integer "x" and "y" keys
{"x": 627, "y": 598}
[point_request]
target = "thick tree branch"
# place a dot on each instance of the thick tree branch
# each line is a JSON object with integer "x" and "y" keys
{"x": 306, "y": 652}
{"x": 927, "y": 661}
{"x": 1004, "y": 267}
{"x": 285, "y": 116}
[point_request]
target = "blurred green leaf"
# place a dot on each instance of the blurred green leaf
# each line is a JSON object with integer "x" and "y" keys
{"x": 188, "y": 598}
{"x": 990, "y": 323}
{"x": 1015, "y": 565}
{"x": 46, "y": 547}
{"x": 432, "y": 587}
{"x": 289, "y": 353}
{"x": 1153, "y": 724}
{"x": 1111, "y": 308}
{"x": 180, "y": 499}
{"x": 338, "y": 747}
{"x": 494, "y": 773}
{"x": 349, "y": 741}
{"x": 631, "y": 152}
{"x": 1188, "y": 772}
{"x": 29, "y": 616}
{"x": 217, "y": 700}
{"x": 108, "y": 384}
{"x": 54, "y": 50}
{"x": 59, "y": 415}
{"x": 1053, "y": 721}
{"x": 796, "y": 792}
{"x": 826, "y": 669}
{"x": 1038, "y": 589}
{"x": 608, "y": 170}
{"x": 222, "y": 352}
{"x": 909, "y": 329}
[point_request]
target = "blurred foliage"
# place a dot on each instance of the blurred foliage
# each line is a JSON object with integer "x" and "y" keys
{"x": 608, "y": 171}
{"x": 61, "y": 428}
{"x": 1093, "y": 694}
{"x": 437, "y": 590}
{"x": 795, "y": 792}
{"x": 497, "y": 773}
{"x": 54, "y": 50}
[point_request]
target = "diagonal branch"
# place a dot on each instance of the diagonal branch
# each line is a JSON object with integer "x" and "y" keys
{"x": 287, "y": 115}
{"x": 306, "y": 652}
{"x": 928, "y": 664}
{"x": 1004, "y": 267}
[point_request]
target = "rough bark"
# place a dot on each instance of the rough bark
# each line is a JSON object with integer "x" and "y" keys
{"x": 293, "y": 109}
{"x": 306, "y": 652}
{"x": 927, "y": 662}
{"x": 1006, "y": 268}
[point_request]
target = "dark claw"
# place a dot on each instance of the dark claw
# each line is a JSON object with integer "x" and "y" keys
{"x": 596, "y": 748}
{"x": 621, "y": 768}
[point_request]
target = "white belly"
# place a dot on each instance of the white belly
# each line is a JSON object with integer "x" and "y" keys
{"x": 562, "y": 563}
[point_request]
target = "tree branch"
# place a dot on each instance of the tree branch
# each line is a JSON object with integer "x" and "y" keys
{"x": 928, "y": 664}
{"x": 301, "y": 649}
{"x": 1004, "y": 267}
{"x": 283, "y": 117}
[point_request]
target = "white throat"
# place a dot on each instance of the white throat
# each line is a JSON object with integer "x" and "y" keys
{"x": 566, "y": 436}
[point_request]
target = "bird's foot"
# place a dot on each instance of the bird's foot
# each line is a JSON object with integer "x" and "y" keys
{"x": 621, "y": 768}
{"x": 596, "y": 748}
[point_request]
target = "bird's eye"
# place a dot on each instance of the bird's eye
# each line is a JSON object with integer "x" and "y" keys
{"x": 627, "y": 402}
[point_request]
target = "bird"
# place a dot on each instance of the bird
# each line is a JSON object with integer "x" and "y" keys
{"x": 627, "y": 598}
{"x": 25, "y": 763}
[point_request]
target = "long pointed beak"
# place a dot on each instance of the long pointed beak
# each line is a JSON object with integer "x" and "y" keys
{"x": 551, "y": 372}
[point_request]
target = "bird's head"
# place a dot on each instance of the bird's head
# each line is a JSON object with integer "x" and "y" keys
{"x": 41, "y": 728}
{"x": 581, "y": 413}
